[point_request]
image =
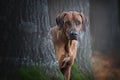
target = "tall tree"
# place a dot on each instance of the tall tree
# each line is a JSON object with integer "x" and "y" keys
{"x": 25, "y": 40}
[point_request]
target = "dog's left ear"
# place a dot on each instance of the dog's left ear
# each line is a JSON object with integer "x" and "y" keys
{"x": 60, "y": 18}
{"x": 84, "y": 21}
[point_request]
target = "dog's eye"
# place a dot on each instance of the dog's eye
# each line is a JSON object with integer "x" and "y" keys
{"x": 67, "y": 23}
{"x": 78, "y": 22}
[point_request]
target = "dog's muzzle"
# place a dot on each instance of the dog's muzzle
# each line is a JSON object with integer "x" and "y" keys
{"x": 73, "y": 35}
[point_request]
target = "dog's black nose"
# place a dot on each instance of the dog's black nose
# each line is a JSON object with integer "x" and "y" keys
{"x": 73, "y": 32}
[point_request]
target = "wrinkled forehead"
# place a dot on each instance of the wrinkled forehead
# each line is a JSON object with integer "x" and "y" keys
{"x": 72, "y": 16}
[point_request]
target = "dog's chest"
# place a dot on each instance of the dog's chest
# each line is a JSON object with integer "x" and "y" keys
{"x": 62, "y": 53}
{"x": 59, "y": 51}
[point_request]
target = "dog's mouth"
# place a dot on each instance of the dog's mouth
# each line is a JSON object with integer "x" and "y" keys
{"x": 72, "y": 37}
{"x": 73, "y": 34}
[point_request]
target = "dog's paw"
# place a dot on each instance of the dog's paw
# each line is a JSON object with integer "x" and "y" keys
{"x": 66, "y": 59}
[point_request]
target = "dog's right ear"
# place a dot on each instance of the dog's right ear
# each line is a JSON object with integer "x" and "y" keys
{"x": 60, "y": 18}
{"x": 84, "y": 21}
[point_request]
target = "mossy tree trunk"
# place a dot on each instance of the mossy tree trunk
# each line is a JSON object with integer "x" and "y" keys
{"x": 24, "y": 37}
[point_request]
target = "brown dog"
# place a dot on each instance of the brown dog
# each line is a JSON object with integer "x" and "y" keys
{"x": 64, "y": 36}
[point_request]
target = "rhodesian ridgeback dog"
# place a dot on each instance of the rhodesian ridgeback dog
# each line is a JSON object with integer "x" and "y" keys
{"x": 65, "y": 38}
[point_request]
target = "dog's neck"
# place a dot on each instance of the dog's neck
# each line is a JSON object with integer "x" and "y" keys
{"x": 61, "y": 36}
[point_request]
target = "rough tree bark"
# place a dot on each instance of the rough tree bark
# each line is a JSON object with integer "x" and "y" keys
{"x": 24, "y": 37}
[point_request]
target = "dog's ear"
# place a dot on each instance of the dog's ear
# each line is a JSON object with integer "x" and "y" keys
{"x": 84, "y": 21}
{"x": 60, "y": 18}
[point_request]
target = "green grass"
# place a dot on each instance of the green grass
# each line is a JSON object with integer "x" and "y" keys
{"x": 32, "y": 73}
{"x": 29, "y": 73}
{"x": 38, "y": 73}
{"x": 77, "y": 74}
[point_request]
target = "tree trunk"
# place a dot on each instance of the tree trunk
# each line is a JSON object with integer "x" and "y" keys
{"x": 25, "y": 39}
{"x": 84, "y": 50}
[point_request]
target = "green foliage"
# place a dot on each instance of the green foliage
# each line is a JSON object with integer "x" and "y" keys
{"x": 29, "y": 73}
{"x": 38, "y": 73}
{"x": 60, "y": 76}
{"x": 77, "y": 74}
{"x": 32, "y": 73}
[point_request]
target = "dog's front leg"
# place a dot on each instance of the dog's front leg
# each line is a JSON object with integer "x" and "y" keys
{"x": 66, "y": 72}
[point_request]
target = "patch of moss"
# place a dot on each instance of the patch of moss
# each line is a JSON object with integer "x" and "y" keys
{"x": 77, "y": 74}
{"x": 32, "y": 73}
{"x": 57, "y": 76}
{"x": 29, "y": 73}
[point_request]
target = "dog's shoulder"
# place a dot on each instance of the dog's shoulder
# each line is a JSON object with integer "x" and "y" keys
{"x": 54, "y": 30}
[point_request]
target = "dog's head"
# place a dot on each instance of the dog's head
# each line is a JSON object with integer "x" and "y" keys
{"x": 71, "y": 23}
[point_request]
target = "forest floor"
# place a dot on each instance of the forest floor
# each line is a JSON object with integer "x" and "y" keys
{"x": 106, "y": 66}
